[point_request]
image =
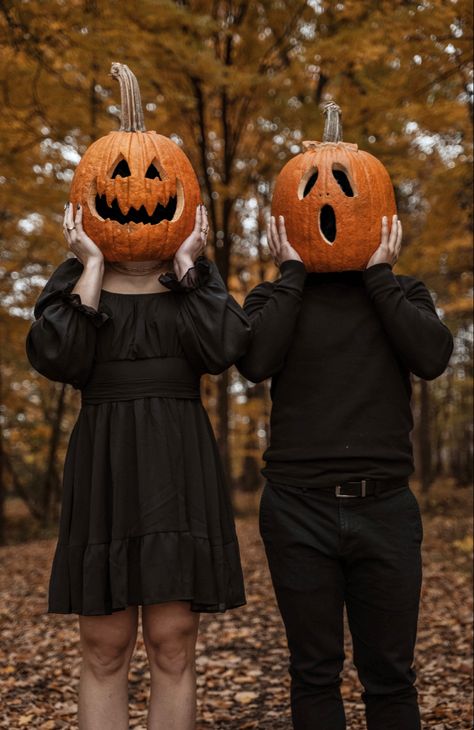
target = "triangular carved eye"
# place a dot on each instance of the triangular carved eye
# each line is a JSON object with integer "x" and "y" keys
{"x": 152, "y": 172}
{"x": 121, "y": 169}
{"x": 310, "y": 183}
{"x": 342, "y": 180}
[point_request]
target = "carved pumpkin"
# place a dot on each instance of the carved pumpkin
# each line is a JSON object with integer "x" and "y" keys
{"x": 333, "y": 197}
{"x": 138, "y": 189}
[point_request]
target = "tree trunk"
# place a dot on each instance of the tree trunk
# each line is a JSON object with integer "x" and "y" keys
{"x": 50, "y": 477}
{"x": 2, "y": 476}
{"x": 426, "y": 471}
{"x": 222, "y": 255}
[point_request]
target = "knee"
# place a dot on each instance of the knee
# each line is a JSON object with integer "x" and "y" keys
{"x": 314, "y": 681}
{"x": 387, "y": 680}
{"x": 173, "y": 654}
{"x": 106, "y": 656}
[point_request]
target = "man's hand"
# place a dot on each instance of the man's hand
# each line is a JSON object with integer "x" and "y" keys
{"x": 390, "y": 244}
{"x": 280, "y": 248}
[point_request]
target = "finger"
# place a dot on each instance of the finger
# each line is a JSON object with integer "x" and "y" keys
{"x": 282, "y": 230}
{"x": 69, "y": 216}
{"x": 78, "y": 217}
{"x": 392, "y": 239}
{"x": 205, "y": 220}
{"x": 197, "y": 220}
{"x": 65, "y": 215}
{"x": 399, "y": 233}
{"x": 204, "y": 225}
{"x": 271, "y": 245}
{"x": 398, "y": 242}
{"x": 275, "y": 235}
{"x": 384, "y": 235}
{"x": 65, "y": 223}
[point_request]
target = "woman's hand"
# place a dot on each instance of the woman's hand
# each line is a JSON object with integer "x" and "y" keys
{"x": 280, "y": 248}
{"x": 390, "y": 244}
{"x": 78, "y": 241}
{"x": 194, "y": 244}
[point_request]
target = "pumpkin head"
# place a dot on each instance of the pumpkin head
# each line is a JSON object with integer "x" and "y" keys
{"x": 333, "y": 197}
{"x": 138, "y": 189}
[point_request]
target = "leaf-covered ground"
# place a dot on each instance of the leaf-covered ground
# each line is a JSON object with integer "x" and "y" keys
{"x": 242, "y": 661}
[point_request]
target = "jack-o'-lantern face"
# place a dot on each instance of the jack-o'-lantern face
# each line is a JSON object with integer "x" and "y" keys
{"x": 138, "y": 189}
{"x": 333, "y": 197}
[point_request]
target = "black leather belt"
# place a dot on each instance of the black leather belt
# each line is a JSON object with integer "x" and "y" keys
{"x": 353, "y": 488}
{"x": 366, "y": 487}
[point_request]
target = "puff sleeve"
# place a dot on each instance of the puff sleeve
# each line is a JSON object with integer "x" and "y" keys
{"x": 61, "y": 341}
{"x": 213, "y": 329}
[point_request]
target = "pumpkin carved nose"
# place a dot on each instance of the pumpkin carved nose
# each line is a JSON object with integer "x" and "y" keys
{"x": 327, "y": 224}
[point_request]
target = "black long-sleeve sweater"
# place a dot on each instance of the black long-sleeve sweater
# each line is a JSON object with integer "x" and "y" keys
{"x": 340, "y": 348}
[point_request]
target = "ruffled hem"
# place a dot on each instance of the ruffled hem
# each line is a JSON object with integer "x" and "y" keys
{"x": 194, "y": 278}
{"x": 97, "y": 317}
{"x": 102, "y": 578}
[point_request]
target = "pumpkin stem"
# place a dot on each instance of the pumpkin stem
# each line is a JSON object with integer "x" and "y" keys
{"x": 131, "y": 112}
{"x": 333, "y": 122}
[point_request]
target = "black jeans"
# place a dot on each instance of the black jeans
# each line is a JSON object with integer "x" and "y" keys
{"x": 364, "y": 552}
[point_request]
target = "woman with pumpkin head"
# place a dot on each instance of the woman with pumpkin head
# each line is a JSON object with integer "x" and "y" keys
{"x": 340, "y": 334}
{"x": 146, "y": 518}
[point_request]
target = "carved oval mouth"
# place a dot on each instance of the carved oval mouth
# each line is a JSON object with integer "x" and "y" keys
{"x": 327, "y": 224}
{"x": 113, "y": 212}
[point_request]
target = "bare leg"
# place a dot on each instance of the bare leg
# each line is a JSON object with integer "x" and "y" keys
{"x": 107, "y": 644}
{"x": 170, "y": 633}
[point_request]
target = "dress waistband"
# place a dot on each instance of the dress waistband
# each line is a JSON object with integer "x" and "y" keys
{"x": 117, "y": 380}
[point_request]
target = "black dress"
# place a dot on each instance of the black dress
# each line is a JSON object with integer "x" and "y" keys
{"x": 146, "y": 515}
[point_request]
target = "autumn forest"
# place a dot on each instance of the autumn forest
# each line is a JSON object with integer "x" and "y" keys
{"x": 239, "y": 86}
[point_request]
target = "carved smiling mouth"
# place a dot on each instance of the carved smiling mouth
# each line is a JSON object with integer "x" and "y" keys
{"x": 112, "y": 212}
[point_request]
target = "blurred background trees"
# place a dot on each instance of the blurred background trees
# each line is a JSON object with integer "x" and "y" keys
{"x": 239, "y": 85}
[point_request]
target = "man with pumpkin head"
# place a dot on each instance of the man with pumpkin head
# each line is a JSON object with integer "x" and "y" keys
{"x": 339, "y": 334}
{"x": 146, "y": 518}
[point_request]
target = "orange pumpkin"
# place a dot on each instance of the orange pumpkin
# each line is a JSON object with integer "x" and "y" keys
{"x": 138, "y": 189}
{"x": 333, "y": 197}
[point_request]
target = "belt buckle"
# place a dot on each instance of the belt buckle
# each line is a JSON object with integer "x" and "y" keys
{"x": 363, "y": 492}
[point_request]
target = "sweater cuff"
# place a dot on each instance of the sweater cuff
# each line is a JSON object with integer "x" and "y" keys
{"x": 379, "y": 278}
{"x": 293, "y": 272}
